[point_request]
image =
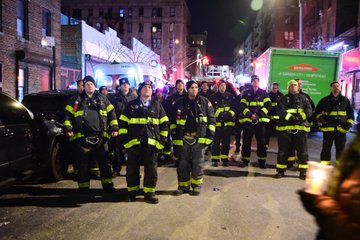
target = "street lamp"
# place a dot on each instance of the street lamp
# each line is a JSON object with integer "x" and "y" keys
{"x": 47, "y": 41}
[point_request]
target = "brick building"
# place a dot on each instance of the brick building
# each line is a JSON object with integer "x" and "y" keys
{"x": 26, "y": 66}
{"x": 161, "y": 25}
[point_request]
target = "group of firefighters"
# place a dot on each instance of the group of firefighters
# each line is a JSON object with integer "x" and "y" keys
{"x": 191, "y": 121}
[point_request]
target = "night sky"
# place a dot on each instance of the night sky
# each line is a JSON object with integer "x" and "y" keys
{"x": 227, "y": 23}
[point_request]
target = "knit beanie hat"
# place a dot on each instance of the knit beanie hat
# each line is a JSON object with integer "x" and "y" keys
{"x": 292, "y": 82}
{"x": 189, "y": 84}
{"x": 89, "y": 79}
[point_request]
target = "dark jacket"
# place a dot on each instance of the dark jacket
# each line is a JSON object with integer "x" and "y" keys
{"x": 254, "y": 102}
{"x": 121, "y": 100}
{"x": 140, "y": 124}
{"x": 76, "y": 107}
{"x": 294, "y": 110}
{"x": 274, "y": 97}
{"x": 334, "y": 114}
{"x": 170, "y": 101}
{"x": 205, "y": 120}
{"x": 223, "y": 105}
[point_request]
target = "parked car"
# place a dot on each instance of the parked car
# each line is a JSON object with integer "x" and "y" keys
{"x": 16, "y": 141}
{"x": 52, "y": 146}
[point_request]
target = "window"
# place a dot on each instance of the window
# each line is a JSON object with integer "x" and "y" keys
{"x": 141, "y": 12}
{"x": 90, "y": 12}
{"x": 157, "y": 12}
{"x": 141, "y": 27}
{"x": 156, "y": 43}
{"x": 101, "y": 12}
{"x": 46, "y": 23}
{"x": 171, "y": 42}
{"x": 22, "y": 20}
{"x": 1, "y": 79}
{"x": 129, "y": 27}
{"x": 109, "y": 13}
{"x": 130, "y": 12}
{"x": 329, "y": 3}
{"x": 289, "y": 36}
{"x": 172, "y": 12}
{"x": 156, "y": 27}
{"x": 289, "y": 19}
{"x": 171, "y": 28}
{"x": 1, "y": 16}
{"x": 121, "y": 13}
{"x": 21, "y": 84}
{"x": 76, "y": 13}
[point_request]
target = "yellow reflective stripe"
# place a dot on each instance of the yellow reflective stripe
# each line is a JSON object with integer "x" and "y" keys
{"x": 106, "y": 180}
{"x": 67, "y": 123}
{"x": 148, "y": 189}
{"x": 232, "y": 112}
{"x": 84, "y": 184}
{"x": 218, "y": 124}
{"x": 242, "y": 120}
{"x": 137, "y": 121}
{"x": 109, "y": 107}
{"x": 102, "y": 112}
{"x": 181, "y": 122}
{"x": 332, "y": 129}
{"x": 177, "y": 142}
{"x": 303, "y": 115}
{"x": 318, "y": 115}
{"x": 262, "y": 158}
{"x": 293, "y": 127}
{"x": 197, "y": 181}
{"x": 288, "y": 116}
{"x": 76, "y": 135}
{"x": 292, "y": 158}
{"x": 113, "y": 122}
{"x": 274, "y": 104}
{"x": 245, "y": 111}
{"x": 303, "y": 166}
{"x": 274, "y": 117}
{"x": 245, "y": 158}
{"x": 155, "y": 143}
{"x": 229, "y": 124}
{"x": 123, "y": 131}
{"x": 106, "y": 135}
{"x": 166, "y": 152}
{"x": 69, "y": 109}
{"x": 351, "y": 121}
{"x": 164, "y": 133}
{"x": 124, "y": 118}
{"x": 78, "y": 113}
{"x": 264, "y": 110}
{"x": 172, "y": 126}
{"x": 184, "y": 184}
{"x": 202, "y": 119}
{"x": 281, "y": 166}
{"x": 131, "y": 143}
{"x": 256, "y": 104}
{"x": 216, "y": 157}
{"x": 134, "y": 188}
{"x": 337, "y": 113}
{"x": 267, "y": 99}
{"x": 224, "y": 156}
{"x": 211, "y": 127}
{"x": 204, "y": 140}
{"x": 325, "y": 162}
{"x": 295, "y": 110}
{"x": 163, "y": 119}
{"x": 243, "y": 100}
{"x": 263, "y": 119}
{"x": 218, "y": 111}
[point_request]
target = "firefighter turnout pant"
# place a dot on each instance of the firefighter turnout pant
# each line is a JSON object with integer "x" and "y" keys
{"x": 221, "y": 144}
{"x": 328, "y": 139}
{"x": 288, "y": 140}
{"x": 248, "y": 132}
{"x": 87, "y": 149}
{"x": 270, "y": 131}
{"x": 191, "y": 162}
{"x": 238, "y": 131}
{"x": 119, "y": 155}
{"x": 141, "y": 154}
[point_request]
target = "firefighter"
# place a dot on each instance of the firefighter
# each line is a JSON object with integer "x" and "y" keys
{"x": 254, "y": 107}
{"x": 223, "y": 103}
{"x": 335, "y": 117}
{"x": 89, "y": 117}
{"x": 205, "y": 90}
{"x": 274, "y": 96}
{"x": 192, "y": 125}
{"x": 143, "y": 131}
{"x": 238, "y": 125}
{"x": 294, "y": 109}
{"x": 122, "y": 97}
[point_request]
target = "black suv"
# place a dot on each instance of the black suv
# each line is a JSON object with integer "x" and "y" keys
{"x": 16, "y": 141}
{"x": 52, "y": 146}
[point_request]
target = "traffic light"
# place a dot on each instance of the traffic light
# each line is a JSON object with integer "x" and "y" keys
{"x": 205, "y": 60}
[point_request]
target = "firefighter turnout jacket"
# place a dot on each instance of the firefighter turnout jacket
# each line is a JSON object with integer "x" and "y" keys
{"x": 254, "y": 102}
{"x": 334, "y": 114}
{"x": 274, "y": 97}
{"x": 205, "y": 120}
{"x": 140, "y": 124}
{"x": 83, "y": 124}
{"x": 224, "y": 109}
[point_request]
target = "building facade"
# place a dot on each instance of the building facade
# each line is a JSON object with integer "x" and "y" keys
{"x": 161, "y": 25}
{"x": 30, "y": 46}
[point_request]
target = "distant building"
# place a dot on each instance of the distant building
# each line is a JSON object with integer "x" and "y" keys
{"x": 162, "y": 25}
{"x": 27, "y": 66}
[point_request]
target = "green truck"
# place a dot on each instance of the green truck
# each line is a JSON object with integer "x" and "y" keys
{"x": 316, "y": 69}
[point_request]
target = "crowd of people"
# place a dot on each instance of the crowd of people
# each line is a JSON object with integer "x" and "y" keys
{"x": 137, "y": 127}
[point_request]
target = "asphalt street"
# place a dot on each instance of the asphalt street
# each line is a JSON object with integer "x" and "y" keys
{"x": 235, "y": 203}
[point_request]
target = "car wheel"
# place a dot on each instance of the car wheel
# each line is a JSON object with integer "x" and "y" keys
{"x": 58, "y": 168}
